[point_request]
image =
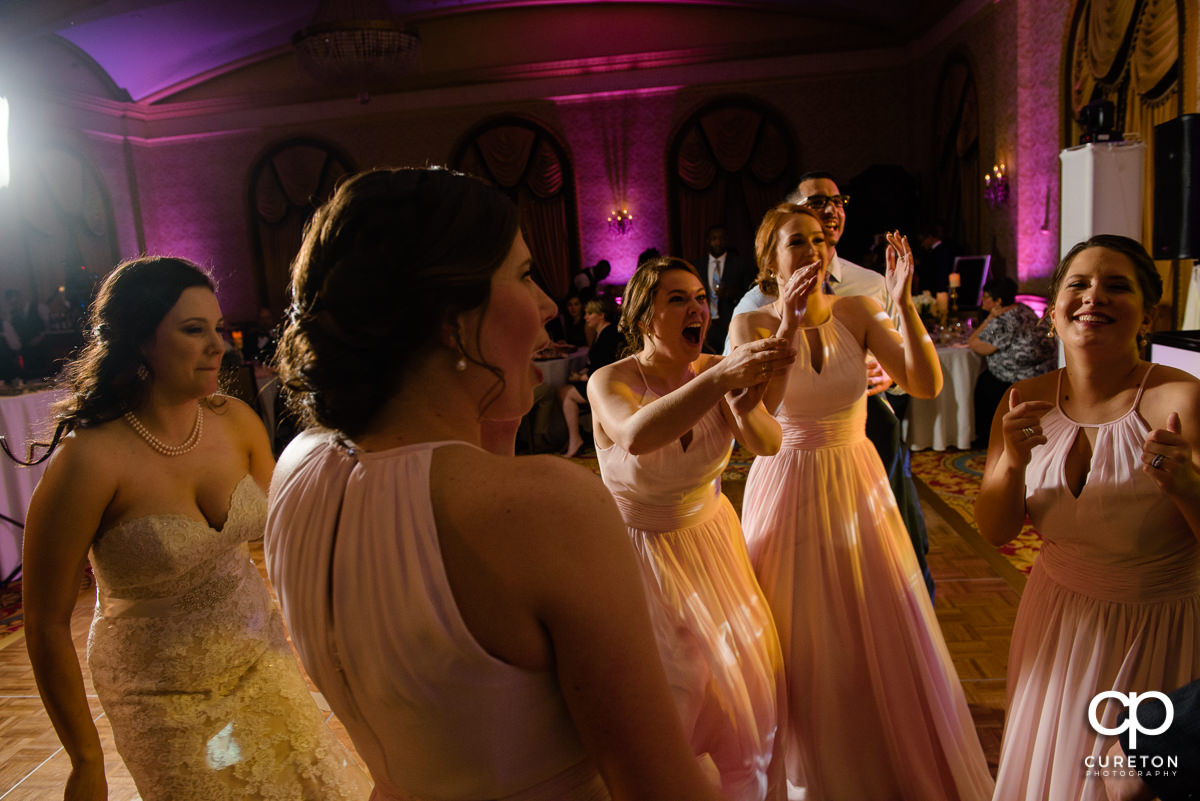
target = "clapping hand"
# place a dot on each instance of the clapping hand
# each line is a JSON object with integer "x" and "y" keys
{"x": 1167, "y": 459}
{"x": 750, "y": 367}
{"x": 899, "y": 267}
{"x": 1022, "y": 426}
{"x": 798, "y": 287}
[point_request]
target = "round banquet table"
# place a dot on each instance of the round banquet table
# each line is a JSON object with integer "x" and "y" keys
{"x": 22, "y": 418}
{"x": 947, "y": 421}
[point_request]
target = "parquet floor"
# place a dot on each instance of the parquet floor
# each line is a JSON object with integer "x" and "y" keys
{"x": 976, "y": 606}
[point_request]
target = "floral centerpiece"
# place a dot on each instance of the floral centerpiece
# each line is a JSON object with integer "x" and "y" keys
{"x": 927, "y": 307}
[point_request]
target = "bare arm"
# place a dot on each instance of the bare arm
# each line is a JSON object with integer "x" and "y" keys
{"x": 64, "y": 516}
{"x": 911, "y": 359}
{"x": 1000, "y": 505}
{"x": 607, "y": 661}
{"x": 641, "y": 429}
{"x": 550, "y": 581}
{"x": 1178, "y": 444}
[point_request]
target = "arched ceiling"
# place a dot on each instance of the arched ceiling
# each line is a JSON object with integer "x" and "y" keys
{"x": 148, "y": 47}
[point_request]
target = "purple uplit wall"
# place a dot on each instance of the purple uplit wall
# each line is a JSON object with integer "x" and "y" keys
{"x": 1034, "y": 167}
{"x": 610, "y": 136}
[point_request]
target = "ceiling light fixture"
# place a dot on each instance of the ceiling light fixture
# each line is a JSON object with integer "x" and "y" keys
{"x": 357, "y": 44}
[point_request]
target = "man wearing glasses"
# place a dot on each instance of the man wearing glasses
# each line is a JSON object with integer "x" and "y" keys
{"x": 819, "y": 192}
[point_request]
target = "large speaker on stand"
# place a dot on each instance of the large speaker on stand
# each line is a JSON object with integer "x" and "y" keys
{"x": 1177, "y": 188}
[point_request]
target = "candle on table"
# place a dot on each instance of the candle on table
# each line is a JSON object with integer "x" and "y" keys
{"x": 955, "y": 280}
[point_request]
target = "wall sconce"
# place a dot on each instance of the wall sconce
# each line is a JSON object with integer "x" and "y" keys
{"x": 995, "y": 186}
{"x": 620, "y": 222}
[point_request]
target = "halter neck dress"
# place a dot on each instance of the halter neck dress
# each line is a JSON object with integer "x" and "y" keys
{"x": 711, "y": 622}
{"x": 876, "y": 708}
{"x": 352, "y": 547}
{"x": 1112, "y": 603}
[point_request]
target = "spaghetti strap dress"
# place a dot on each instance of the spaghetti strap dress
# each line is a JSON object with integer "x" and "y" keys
{"x": 352, "y": 547}
{"x": 876, "y": 707}
{"x": 1112, "y": 603}
{"x": 712, "y": 625}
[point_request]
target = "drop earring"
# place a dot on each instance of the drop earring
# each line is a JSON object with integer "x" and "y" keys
{"x": 461, "y": 364}
{"x": 142, "y": 373}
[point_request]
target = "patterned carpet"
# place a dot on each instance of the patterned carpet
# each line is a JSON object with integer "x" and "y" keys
{"x": 955, "y": 476}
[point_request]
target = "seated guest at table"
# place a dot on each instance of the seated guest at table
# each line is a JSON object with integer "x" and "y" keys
{"x": 1103, "y": 457}
{"x": 606, "y": 342}
{"x": 473, "y": 645}
{"x": 569, "y": 327}
{"x": 665, "y": 418}
{"x": 187, "y": 652}
{"x": 1016, "y": 344}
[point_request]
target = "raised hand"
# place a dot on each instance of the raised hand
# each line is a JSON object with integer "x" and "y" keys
{"x": 899, "y": 267}
{"x": 798, "y": 287}
{"x": 1022, "y": 426}
{"x": 1167, "y": 458}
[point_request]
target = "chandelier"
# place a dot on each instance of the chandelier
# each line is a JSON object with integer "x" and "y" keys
{"x": 356, "y": 44}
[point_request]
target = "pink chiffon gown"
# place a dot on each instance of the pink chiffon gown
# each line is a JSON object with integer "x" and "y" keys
{"x": 352, "y": 547}
{"x": 876, "y": 709}
{"x": 1112, "y": 603}
{"x": 711, "y": 622}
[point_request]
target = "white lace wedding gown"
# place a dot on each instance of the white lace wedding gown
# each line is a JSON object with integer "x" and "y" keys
{"x": 189, "y": 658}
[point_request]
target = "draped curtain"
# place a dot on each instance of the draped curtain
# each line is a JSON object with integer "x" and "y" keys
{"x": 66, "y": 228}
{"x": 730, "y": 162}
{"x": 956, "y": 193}
{"x": 287, "y": 185}
{"x": 1128, "y": 52}
{"x": 525, "y": 160}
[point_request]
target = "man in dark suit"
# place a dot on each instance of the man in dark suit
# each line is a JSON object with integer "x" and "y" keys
{"x": 725, "y": 281}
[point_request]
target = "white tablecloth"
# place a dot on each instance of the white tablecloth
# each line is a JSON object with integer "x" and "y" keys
{"x": 947, "y": 421}
{"x": 22, "y": 418}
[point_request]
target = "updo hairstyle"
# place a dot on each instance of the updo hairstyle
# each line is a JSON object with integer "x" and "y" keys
{"x": 390, "y": 259}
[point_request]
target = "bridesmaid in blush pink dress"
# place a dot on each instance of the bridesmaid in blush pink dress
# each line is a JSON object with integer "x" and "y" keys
{"x": 1102, "y": 455}
{"x": 876, "y": 709}
{"x": 664, "y": 421}
{"x": 475, "y": 619}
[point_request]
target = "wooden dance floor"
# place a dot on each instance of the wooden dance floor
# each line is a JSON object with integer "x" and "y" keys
{"x": 977, "y": 595}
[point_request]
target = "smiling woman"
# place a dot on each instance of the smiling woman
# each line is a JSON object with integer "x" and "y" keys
{"x": 160, "y": 486}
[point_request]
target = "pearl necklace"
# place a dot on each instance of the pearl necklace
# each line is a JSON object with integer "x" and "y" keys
{"x": 157, "y": 444}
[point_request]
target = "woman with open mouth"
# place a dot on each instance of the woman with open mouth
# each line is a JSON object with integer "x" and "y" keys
{"x": 876, "y": 709}
{"x": 663, "y": 419}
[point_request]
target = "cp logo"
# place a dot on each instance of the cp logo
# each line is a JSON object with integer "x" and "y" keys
{"x": 1132, "y": 701}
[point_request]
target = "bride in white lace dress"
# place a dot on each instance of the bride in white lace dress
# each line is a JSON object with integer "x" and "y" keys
{"x": 187, "y": 652}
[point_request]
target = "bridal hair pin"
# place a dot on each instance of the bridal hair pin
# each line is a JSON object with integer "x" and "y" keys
{"x": 157, "y": 444}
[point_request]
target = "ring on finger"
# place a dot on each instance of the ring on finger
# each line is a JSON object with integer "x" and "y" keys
{"x": 1157, "y": 461}
{"x": 1028, "y": 432}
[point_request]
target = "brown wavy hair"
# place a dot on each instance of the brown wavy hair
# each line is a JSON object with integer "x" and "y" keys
{"x": 638, "y": 305}
{"x": 767, "y": 238}
{"x": 102, "y": 382}
{"x": 390, "y": 258}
